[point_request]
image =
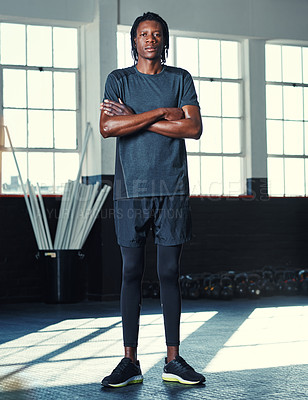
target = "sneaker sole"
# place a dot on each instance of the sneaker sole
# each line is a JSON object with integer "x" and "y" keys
{"x": 132, "y": 380}
{"x": 176, "y": 378}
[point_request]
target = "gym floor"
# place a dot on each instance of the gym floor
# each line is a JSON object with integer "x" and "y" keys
{"x": 248, "y": 349}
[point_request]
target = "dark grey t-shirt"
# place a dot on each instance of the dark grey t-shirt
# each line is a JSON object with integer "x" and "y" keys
{"x": 147, "y": 163}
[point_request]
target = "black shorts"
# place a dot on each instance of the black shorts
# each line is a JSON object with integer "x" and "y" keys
{"x": 169, "y": 217}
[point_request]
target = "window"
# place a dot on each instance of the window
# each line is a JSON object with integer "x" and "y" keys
{"x": 39, "y": 104}
{"x": 287, "y": 119}
{"x": 214, "y": 161}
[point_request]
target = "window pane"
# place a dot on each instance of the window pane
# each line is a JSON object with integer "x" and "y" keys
{"x": 16, "y": 121}
{"x": 41, "y": 170}
{"x": 192, "y": 146}
{"x": 306, "y": 104}
{"x": 121, "y": 49}
{"x": 231, "y": 135}
{"x": 13, "y": 44}
{"x": 274, "y": 137}
{"x": 291, "y": 64}
{"x": 305, "y": 64}
{"x": 294, "y": 177}
{"x": 65, "y": 129}
{"x": 124, "y": 50}
{"x": 187, "y": 54}
{"x": 66, "y": 168}
{"x": 306, "y": 138}
{"x": 230, "y": 59}
{"x": 65, "y": 49}
{"x": 194, "y": 174}
{"x": 273, "y": 62}
{"x": 64, "y": 90}
{"x": 231, "y": 100}
{"x": 39, "y": 89}
{"x": 293, "y": 102}
{"x": 197, "y": 87}
{"x": 209, "y": 53}
{"x": 10, "y": 179}
{"x": 275, "y": 176}
{"x": 128, "y": 50}
{"x": 293, "y": 138}
{"x": 211, "y": 137}
{"x": 211, "y": 175}
{"x": 171, "y": 55}
{"x": 40, "y": 129}
{"x": 232, "y": 176}
{"x": 39, "y": 46}
{"x": 210, "y": 98}
{"x": 14, "y": 88}
{"x": 274, "y": 102}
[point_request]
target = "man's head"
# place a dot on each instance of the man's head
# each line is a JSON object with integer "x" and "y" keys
{"x": 150, "y": 16}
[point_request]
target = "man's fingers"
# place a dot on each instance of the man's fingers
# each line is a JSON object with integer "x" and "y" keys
{"x": 115, "y": 105}
{"x": 111, "y": 107}
{"x": 116, "y": 108}
{"x": 112, "y": 110}
{"x": 109, "y": 113}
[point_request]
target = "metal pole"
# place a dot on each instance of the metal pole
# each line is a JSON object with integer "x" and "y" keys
{"x": 24, "y": 191}
{"x": 50, "y": 246}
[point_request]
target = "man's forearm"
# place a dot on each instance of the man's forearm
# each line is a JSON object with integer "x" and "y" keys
{"x": 184, "y": 128}
{"x": 120, "y": 125}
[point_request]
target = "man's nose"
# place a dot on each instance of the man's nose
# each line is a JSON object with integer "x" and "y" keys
{"x": 151, "y": 38}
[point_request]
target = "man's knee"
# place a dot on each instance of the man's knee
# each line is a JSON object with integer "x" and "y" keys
{"x": 168, "y": 271}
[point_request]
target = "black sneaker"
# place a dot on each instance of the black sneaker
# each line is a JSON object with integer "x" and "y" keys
{"x": 125, "y": 373}
{"x": 178, "y": 370}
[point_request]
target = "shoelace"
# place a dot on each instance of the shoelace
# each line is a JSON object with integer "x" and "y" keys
{"x": 120, "y": 367}
{"x": 181, "y": 365}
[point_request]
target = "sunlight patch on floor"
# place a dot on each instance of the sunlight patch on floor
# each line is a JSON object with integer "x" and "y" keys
{"x": 83, "y": 351}
{"x": 269, "y": 337}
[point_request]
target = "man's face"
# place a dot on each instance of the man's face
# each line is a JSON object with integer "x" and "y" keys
{"x": 149, "y": 40}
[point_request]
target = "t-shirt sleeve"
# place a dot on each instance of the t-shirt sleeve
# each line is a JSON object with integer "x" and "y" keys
{"x": 189, "y": 97}
{"x": 111, "y": 88}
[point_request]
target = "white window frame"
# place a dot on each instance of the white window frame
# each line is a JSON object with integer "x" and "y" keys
{"x": 282, "y": 84}
{"x": 27, "y": 150}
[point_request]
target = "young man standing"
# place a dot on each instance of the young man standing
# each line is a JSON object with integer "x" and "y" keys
{"x": 151, "y": 108}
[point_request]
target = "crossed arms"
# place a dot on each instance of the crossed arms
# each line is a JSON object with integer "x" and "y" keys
{"x": 117, "y": 119}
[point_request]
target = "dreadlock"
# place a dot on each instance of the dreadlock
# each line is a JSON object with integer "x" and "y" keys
{"x": 150, "y": 16}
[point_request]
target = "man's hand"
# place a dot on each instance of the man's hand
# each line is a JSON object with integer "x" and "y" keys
{"x": 173, "y": 114}
{"x": 118, "y": 119}
{"x": 188, "y": 126}
{"x": 112, "y": 108}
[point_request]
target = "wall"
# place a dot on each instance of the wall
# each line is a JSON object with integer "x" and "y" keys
{"x": 244, "y": 234}
{"x": 267, "y": 19}
{"x": 68, "y": 12}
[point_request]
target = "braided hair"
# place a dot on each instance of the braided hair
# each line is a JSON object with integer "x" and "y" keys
{"x": 150, "y": 16}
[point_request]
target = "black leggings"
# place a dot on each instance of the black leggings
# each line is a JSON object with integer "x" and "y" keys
{"x": 168, "y": 269}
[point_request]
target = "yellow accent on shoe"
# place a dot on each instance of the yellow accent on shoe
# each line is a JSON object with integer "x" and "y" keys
{"x": 175, "y": 378}
{"x": 128, "y": 382}
{"x": 136, "y": 381}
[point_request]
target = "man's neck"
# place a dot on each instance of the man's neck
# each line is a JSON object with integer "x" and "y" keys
{"x": 150, "y": 67}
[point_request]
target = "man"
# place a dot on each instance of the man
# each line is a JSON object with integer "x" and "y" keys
{"x": 151, "y": 108}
